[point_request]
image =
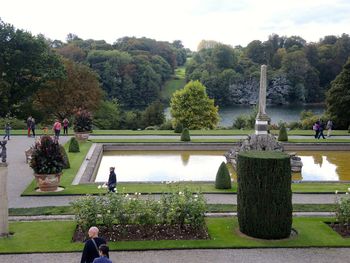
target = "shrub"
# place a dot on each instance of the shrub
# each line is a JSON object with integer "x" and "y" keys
{"x": 349, "y": 129}
{"x": 47, "y": 157}
{"x": 16, "y": 124}
{"x": 85, "y": 211}
{"x": 240, "y": 122}
{"x": 178, "y": 128}
{"x": 175, "y": 208}
{"x": 282, "y": 135}
{"x": 294, "y": 125}
{"x": 342, "y": 211}
{"x": 73, "y": 145}
{"x": 66, "y": 164}
{"x": 151, "y": 128}
{"x": 223, "y": 178}
{"x": 83, "y": 121}
{"x": 264, "y": 196}
{"x": 167, "y": 125}
{"x": 185, "y": 135}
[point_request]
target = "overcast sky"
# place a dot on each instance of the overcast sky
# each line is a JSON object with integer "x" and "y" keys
{"x": 234, "y": 22}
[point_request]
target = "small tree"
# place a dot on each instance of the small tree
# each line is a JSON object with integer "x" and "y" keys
{"x": 185, "y": 135}
{"x": 73, "y": 145}
{"x": 282, "y": 135}
{"x": 223, "y": 178}
{"x": 192, "y": 107}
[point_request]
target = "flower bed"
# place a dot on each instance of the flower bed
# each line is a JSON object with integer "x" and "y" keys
{"x": 178, "y": 215}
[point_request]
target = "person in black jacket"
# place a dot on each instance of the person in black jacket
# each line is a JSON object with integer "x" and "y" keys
{"x": 112, "y": 180}
{"x": 91, "y": 251}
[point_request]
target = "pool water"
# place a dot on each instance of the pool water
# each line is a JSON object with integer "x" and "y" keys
{"x": 166, "y": 166}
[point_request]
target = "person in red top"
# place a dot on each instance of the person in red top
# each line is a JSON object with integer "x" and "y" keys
{"x": 57, "y": 129}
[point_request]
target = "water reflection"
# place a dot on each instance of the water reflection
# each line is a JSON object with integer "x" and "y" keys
{"x": 160, "y": 166}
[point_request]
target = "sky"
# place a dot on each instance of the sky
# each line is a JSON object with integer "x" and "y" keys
{"x": 232, "y": 22}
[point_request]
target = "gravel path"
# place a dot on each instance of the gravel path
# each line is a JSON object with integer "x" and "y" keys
{"x": 319, "y": 255}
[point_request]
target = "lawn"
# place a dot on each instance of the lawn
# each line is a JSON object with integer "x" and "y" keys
{"x": 56, "y": 236}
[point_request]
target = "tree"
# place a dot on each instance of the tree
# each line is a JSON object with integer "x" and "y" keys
{"x": 153, "y": 114}
{"x": 108, "y": 116}
{"x": 338, "y": 98}
{"x": 62, "y": 97}
{"x": 26, "y": 63}
{"x": 192, "y": 107}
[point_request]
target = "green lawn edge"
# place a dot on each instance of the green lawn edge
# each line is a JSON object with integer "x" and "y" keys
{"x": 56, "y": 236}
{"x": 219, "y": 132}
{"x": 211, "y": 208}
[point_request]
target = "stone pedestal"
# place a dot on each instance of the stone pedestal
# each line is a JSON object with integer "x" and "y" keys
{"x": 4, "y": 225}
{"x": 261, "y": 127}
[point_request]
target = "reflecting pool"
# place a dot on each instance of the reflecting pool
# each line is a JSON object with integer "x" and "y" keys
{"x": 163, "y": 166}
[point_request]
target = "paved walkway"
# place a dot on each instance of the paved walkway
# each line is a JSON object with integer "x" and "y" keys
{"x": 20, "y": 175}
{"x": 293, "y": 255}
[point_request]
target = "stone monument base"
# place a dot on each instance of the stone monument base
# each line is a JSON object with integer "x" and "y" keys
{"x": 261, "y": 127}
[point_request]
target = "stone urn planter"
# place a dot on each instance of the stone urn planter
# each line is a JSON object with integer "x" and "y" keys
{"x": 47, "y": 162}
{"x": 48, "y": 182}
{"x": 82, "y": 136}
{"x": 82, "y": 124}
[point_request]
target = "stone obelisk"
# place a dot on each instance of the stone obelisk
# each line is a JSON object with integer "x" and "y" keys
{"x": 4, "y": 224}
{"x": 262, "y": 120}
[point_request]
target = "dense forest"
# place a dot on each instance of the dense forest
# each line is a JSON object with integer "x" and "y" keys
{"x": 297, "y": 71}
{"x": 50, "y": 78}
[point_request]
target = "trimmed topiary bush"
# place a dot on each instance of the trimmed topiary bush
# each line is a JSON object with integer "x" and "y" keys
{"x": 264, "y": 195}
{"x": 65, "y": 158}
{"x": 282, "y": 135}
{"x": 223, "y": 178}
{"x": 178, "y": 128}
{"x": 73, "y": 145}
{"x": 185, "y": 135}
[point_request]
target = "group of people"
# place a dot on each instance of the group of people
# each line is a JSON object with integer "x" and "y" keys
{"x": 57, "y": 126}
{"x": 95, "y": 249}
{"x": 320, "y": 126}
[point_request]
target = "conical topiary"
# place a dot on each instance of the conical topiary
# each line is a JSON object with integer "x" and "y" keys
{"x": 282, "y": 135}
{"x": 185, "y": 135}
{"x": 73, "y": 145}
{"x": 65, "y": 158}
{"x": 223, "y": 178}
{"x": 178, "y": 128}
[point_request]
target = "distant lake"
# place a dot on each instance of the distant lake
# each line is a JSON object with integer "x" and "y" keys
{"x": 286, "y": 113}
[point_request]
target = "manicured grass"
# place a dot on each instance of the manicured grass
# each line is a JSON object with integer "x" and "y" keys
{"x": 320, "y": 187}
{"x": 55, "y": 236}
{"x": 45, "y": 210}
{"x": 67, "y": 210}
{"x": 296, "y": 208}
{"x": 312, "y": 140}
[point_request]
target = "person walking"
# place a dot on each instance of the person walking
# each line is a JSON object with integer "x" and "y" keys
{"x": 104, "y": 255}
{"x": 91, "y": 250}
{"x": 112, "y": 180}
{"x": 32, "y": 127}
{"x": 29, "y": 125}
{"x": 316, "y": 128}
{"x": 65, "y": 126}
{"x": 7, "y": 131}
{"x": 57, "y": 129}
{"x": 320, "y": 130}
{"x": 329, "y": 127}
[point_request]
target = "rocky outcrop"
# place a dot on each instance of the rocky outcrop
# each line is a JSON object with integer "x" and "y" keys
{"x": 247, "y": 92}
